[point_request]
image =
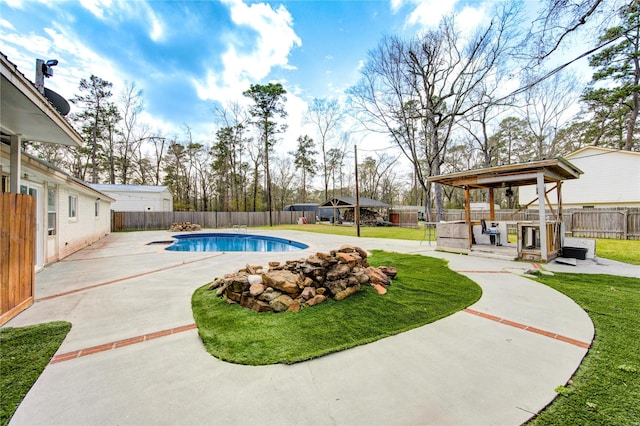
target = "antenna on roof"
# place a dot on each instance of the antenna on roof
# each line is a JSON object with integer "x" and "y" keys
{"x": 44, "y": 69}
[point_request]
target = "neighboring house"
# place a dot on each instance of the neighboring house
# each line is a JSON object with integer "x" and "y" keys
{"x": 611, "y": 179}
{"x": 483, "y": 206}
{"x": 69, "y": 214}
{"x": 138, "y": 198}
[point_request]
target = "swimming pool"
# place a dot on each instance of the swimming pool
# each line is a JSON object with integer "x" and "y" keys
{"x": 232, "y": 242}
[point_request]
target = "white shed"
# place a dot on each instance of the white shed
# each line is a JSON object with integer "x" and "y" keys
{"x": 138, "y": 198}
{"x": 611, "y": 179}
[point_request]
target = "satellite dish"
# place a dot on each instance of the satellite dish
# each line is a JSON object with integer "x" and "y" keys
{"x": 58, "y": 101}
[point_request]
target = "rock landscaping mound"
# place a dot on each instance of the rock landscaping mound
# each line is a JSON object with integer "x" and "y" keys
{"x": 184, "y": 226}
{"x": 296, "y": 284}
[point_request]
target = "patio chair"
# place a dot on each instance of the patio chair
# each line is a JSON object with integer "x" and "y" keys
{"x": 494, "y": 233}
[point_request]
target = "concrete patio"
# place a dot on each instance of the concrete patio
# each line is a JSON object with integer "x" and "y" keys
{"x": 133, "y": 355}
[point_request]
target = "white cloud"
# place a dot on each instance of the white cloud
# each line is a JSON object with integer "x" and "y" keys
{"x": 6, "y": 24}
{"x": 76, "y": 60}
{"x": 428, "y": 13}
{"x": 127, "y": 10}
{"x": 396, "y": 5}
{"x": 97, "y": 7}
{"x": 469, "y": 18}
{"x": 274, "y": 40}
{"x": 157, "y": 31}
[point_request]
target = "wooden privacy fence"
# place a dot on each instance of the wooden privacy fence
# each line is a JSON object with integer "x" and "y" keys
{"x": 146, "y": 221}
{"x": 622, "y": 224}
{"x": 583, "y": 223}
{"x": 17, "y": 258}
{"x": 596, "y": 223}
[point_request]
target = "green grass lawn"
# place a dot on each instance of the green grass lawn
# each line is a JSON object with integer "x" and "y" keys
{"x": 627, "y": 251}
{"x": 351, "y": 231}
{"x": 24, "y": 353}
{"x": 424, "y": 291}
{"x": 606, "y": 388}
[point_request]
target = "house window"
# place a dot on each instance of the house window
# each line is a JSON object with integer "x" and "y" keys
{"x": 73, "y": 207}
{"x": 97, "y": 208}
{"x": 51, "y": 211}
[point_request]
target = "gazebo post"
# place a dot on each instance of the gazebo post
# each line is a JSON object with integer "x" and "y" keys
{"x": 544, "y": 256}
{"x": 492, "y": 210}
{"x": 560, "y": 220}
{"x": 467, "y": 214}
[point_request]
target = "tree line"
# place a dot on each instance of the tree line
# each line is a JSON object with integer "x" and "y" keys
{"x": 443, "y": 99}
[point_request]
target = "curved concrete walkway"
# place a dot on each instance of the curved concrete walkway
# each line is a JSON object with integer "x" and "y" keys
{"x": 133, "y": 355}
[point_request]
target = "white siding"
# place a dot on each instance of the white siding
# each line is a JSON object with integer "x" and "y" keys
{"x": 86, "y": 229}
{"x": 147, "y": 198}
{"x": 611, "y": 179}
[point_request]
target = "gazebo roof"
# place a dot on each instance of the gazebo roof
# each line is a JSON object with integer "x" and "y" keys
{"x": 351, "y": 202}
{"x": 554, "y": 170}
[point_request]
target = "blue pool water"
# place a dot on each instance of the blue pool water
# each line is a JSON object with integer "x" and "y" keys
{"x": 232, "y": 242}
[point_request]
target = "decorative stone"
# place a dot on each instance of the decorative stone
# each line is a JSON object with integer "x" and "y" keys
{"x": 215, "y": 284}
{"x": 281, "y": 304}
{"x": 380, "y": 288}
{"x": 347, "y": 292}
{"x": 338, "y": 271}
{"x": 254, "y": 279}
{"x": 363, "y": 254}
{"x": 269, "y": 294}
{"x": 347, "y": 258}
{"x": 308, "y": 293}
{"x": 239, "y": 283}
{"x": 260, "y": 306}
{"x": 317, "y": 299}
{"x": 184, "y": 226}
{"x": 389, "y": 271}
{"x": 294, "y": 307}
{"x": 293, "y": 284}
{"x": 361, "y": 276}
{"x": 256, "y": 289}
{"x": 336, "y": 287}
{"x": 323, "y": 256}
{"x": 236, "y": 297}
{"x": 222, "y": 288}
{"x": 376, "y": 276}
{"x": 346, "y": 248}
{"x": 284, "y": 281}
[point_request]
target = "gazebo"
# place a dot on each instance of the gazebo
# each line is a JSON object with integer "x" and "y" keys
{"x": 350, "y": 203}
{"x": 538, "y": 241}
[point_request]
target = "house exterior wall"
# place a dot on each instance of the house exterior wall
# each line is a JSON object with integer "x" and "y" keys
{"x": 68, "y": 235}
{"x": 611, "y": 179}
{"x": 86, "y": 228}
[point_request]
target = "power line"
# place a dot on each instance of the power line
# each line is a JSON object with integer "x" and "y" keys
{"x": 563, "y": 66}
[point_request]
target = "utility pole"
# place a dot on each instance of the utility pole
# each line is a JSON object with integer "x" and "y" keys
{"x": 357, "y": 209}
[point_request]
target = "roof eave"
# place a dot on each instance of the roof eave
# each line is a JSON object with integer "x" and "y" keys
{"x": 40, "y": 103}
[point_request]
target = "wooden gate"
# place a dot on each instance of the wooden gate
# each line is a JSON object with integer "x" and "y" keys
{"x": 17, "y": 258}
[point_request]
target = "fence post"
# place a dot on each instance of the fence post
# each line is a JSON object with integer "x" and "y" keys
{"x": 625, "y": 224}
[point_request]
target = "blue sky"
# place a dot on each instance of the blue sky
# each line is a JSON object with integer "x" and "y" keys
{"x": 187, "y": 55}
